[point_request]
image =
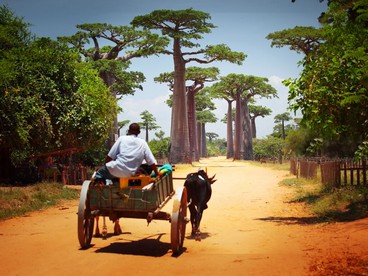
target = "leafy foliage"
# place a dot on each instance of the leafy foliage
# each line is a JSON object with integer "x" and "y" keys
{"x": 49, "y": 99}
{"x": 216, "y": 147}
{"x": 332, "y": 90}
{"x": 270, "y": 147}
{"x": 160, "y": 146}
{"x": 297, "y": 141}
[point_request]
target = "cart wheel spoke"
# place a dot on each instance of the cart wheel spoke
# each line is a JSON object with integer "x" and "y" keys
{"x": 85, "y": 219}
{"x": 179, "y": 220}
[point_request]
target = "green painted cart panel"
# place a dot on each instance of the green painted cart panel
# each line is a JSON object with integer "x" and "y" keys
{"x": 113, "y": 198}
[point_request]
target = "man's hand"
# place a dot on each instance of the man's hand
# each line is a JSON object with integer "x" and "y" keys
{"x": 154, "y": 168}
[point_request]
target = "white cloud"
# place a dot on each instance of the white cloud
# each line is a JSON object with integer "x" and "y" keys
{"x": 133, "y": 106}
{"x": 276, "y": 82}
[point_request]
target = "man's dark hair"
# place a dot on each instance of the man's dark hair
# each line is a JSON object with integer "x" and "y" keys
{"x": 134, "y": 128}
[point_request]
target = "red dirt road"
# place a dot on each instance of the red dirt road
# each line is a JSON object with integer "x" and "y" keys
{"x": 250, "y": 228}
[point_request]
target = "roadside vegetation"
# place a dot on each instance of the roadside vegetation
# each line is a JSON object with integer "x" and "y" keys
{"x": 330, "y": 204}
{"x": 18, "y": 201}
{"x": 327, "y": 204}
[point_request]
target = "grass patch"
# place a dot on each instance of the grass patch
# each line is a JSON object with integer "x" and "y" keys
{"x": 330, "y": 204}
{"x": 17, "y": 201}
{"x": 284, "y": 166}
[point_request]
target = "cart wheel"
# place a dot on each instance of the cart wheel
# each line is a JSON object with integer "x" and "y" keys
{"x": 179, "y": 220}
{"x": 85, "y": 219}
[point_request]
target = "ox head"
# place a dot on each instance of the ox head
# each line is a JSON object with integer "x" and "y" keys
{"x": 211, "y": 180}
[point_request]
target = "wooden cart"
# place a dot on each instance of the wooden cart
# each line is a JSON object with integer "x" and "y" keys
{"x": 133, "y": 197}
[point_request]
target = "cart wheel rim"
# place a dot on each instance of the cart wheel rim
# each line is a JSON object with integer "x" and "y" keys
{"x": 85, "y": 220}
{"x": 178, "y": 220}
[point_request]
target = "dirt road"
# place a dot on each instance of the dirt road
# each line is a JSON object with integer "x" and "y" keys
{"x": 250, "y": 228}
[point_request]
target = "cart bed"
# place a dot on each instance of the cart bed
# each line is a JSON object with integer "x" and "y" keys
{"x": 149, "y": 198}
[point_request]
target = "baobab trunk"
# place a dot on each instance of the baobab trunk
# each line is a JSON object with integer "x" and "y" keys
{"x": 247, "y": 133}
{"x": 109, "y": 80}
{"x": 201, "y": 129}
{"x": 253, "y": 127}
{"x": 180, "y": 147}
{"x": 192, "y": 122}
{"x": 238, "y": 128}
{"x": 230, "y": 134}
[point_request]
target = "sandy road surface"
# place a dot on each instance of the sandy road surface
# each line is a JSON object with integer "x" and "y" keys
{"x": 250, "y": 228}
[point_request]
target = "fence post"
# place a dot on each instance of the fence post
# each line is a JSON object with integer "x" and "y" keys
{"x": 364, "y": 167}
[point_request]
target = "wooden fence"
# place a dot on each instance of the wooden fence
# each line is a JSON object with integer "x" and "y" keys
{"x": 308, "y": 169}
{"x": 335, "y": 173}
{"x": 74, "y": 175}
{"x": 68, "y": 175}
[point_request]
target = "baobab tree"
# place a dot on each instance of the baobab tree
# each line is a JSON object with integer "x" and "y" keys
{"x": 222, "y": 91}
{"x": 113, "y": 61}
{"x": 244, "y": 88}
{"x": 257, "y": 111}
{"x": 196, "y": 77}
{"x": 148, "y": 123}
{"x": 185, "y": 28}
{"x": 281, "y": 119}
{"x": 204, "y": 115}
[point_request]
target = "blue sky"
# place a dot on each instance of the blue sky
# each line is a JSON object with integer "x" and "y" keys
{"x": 241, "y": 24}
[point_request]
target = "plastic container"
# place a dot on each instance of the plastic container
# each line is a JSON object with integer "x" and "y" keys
{"x": 135, "y": 181}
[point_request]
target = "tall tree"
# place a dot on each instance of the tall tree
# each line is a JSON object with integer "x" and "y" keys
{"x": 211, "y": 136}
{"x": 300, "y": 39}
{"x": 148, "y": 122}
{"x": 204, "y": 115}
{"x": 222, "y": 91}
{"x": 184, "y": 26}
{"x": 122, "y": 124}
{"x": 195, "y": 77}
{"x": 198, "y": 76}
{"x": 245, "y": 88}
{"x": 113, "y": 61}
{"x": 281, "y": 119}
{"x": 257, "y": 111}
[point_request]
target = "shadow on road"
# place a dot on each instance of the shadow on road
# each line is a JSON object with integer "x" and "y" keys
{"x": 151, "y": 247}
{"x": 204, "y": 235}
{"x": 292, "y": 220}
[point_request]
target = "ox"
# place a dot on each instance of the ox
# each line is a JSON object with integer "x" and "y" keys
{"x": 199, "y": 193}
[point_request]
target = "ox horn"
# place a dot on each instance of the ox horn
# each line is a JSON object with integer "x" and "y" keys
{"x": 211, "y": 179}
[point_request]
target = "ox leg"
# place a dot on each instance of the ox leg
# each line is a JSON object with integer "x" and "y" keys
{"x": 97, "y": 231}
{"x": 198, "y": 222}
{"x": 117, "y": 228}
{"x": 200, "y": 208}
{"x": 104, "y": 229}
{"x": 193, "y": 216}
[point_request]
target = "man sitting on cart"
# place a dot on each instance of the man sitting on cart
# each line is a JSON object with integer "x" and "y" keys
{"x": 126, "y": 156}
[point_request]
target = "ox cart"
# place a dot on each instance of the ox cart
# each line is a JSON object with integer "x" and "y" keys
{"x": 134, "y": 197}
